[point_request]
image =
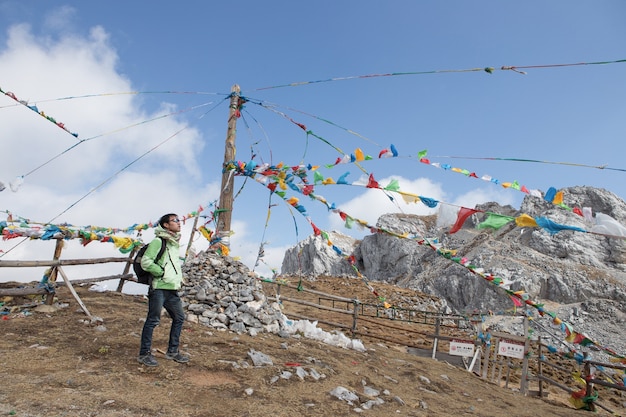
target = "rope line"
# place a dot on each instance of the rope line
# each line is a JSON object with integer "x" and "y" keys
{"x": 489, "y": 70}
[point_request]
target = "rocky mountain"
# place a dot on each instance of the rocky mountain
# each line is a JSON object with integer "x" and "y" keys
{"x": 568, "y": 252}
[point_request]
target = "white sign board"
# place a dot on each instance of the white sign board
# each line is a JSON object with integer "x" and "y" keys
{"x": 511, "y": 349}
{"x": 461, "y": 348}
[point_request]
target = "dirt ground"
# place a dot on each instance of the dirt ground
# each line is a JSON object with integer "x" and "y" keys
{"x": 59, "y": 364}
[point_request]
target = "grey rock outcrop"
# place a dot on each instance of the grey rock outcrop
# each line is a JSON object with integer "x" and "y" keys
{"x": 570, "y": 268}
{"x": 313, "y": 256}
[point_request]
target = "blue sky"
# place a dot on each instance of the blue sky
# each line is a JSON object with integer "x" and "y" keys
{"x": 52, "y": 50}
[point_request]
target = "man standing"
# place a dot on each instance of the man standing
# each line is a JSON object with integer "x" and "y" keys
{"x": 163, "y": 291}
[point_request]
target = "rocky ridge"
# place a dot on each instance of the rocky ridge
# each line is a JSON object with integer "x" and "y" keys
{"x": 582, "y": 275}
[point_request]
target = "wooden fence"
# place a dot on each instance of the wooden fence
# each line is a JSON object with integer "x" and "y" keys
{"x": 587, "y": 372}
{"x": 56, "y": 268}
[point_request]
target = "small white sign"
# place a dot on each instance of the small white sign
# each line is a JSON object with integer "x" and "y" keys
{"x": 511, "y": 349}
{"x": 461, "y": 348}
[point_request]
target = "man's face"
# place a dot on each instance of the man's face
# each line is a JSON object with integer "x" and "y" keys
{"x": 173, "y": 225}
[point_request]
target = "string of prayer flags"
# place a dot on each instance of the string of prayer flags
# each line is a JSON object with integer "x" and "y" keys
{"x": 17, "y": 226}
{"x": 284, "y": 177}
{"x": 36, "y": 110}
{"x": 514, "y": 185}
{"x": 603, "y": 224}
{"x": 521, "y": 297}
{"x": 51, "y": 231}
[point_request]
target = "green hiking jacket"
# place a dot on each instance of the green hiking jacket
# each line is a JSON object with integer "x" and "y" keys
{"x": 167, "y": 272}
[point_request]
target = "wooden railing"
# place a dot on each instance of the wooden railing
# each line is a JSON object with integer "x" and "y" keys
{"x": 56, "y": 268}
{"x": 587, "y": 376}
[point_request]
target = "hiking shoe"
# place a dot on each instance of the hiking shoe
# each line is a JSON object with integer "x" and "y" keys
{"x": 177, "y": 357}
{"x": 147, "y": 360}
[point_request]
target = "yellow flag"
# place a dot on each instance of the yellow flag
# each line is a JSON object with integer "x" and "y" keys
{"x": 525, "y": 221}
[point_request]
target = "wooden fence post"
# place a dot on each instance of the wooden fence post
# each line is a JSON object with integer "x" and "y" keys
{"x": 278, "y": 295}
{"x": 68, "y": 283}
{"x": 52, "y": 279}
{"x": 355, "y": 314}
{"x": 120, "y": 285}
{"x": 524, "y": 377}
{"x": 437, "y": 324}
{"x": 473, "y": 362}
{"x": 539, "y": 370}
{"x": 485, "y": 361}
{"x": 493, "y": 362}
{"x": 589, "y": 385}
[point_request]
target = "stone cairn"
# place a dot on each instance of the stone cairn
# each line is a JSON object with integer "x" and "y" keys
{"x": 222, "y": 293}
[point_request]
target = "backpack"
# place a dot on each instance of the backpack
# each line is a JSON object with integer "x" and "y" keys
{"x": 143, "y": 276}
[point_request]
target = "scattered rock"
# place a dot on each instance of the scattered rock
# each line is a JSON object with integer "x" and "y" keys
{"x": 344, "y": 395}
{"x": 260, "y": 359}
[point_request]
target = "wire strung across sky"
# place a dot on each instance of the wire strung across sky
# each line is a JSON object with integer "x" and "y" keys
{"x": 490, "y": 70}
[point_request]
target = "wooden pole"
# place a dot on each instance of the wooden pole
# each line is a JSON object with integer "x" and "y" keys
{"x": 355, "y": 315}
{"x": 131, "y": 255}
{"x": 476, "y": 355}
{"x": 539, "y": 367}
{"x": 226, "y": 194}
{"x": 493, "y": 362}
{"x": 589, "y": 385}
{"x": 53, "y": 272}
{"x": 193, "y": 232}
{"x": 486, "y": 356}
{"x": 437, "y": 323}
{"x": 524, "y": 378}
{"x": 73, "y": 291}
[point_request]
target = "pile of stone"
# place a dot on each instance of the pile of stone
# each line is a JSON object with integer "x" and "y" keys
{"x": 222, "y": 293}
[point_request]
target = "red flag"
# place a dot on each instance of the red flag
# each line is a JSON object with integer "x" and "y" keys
{"x": 372, "y": 182}
{"x": 463, "y": 214}
{"x": 516, "y": 301}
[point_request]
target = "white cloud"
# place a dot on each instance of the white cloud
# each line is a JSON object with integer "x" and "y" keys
{"x": 59, "y": 18}
{"x": 102, "y": 181}
{"x": 373, "y": 203}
